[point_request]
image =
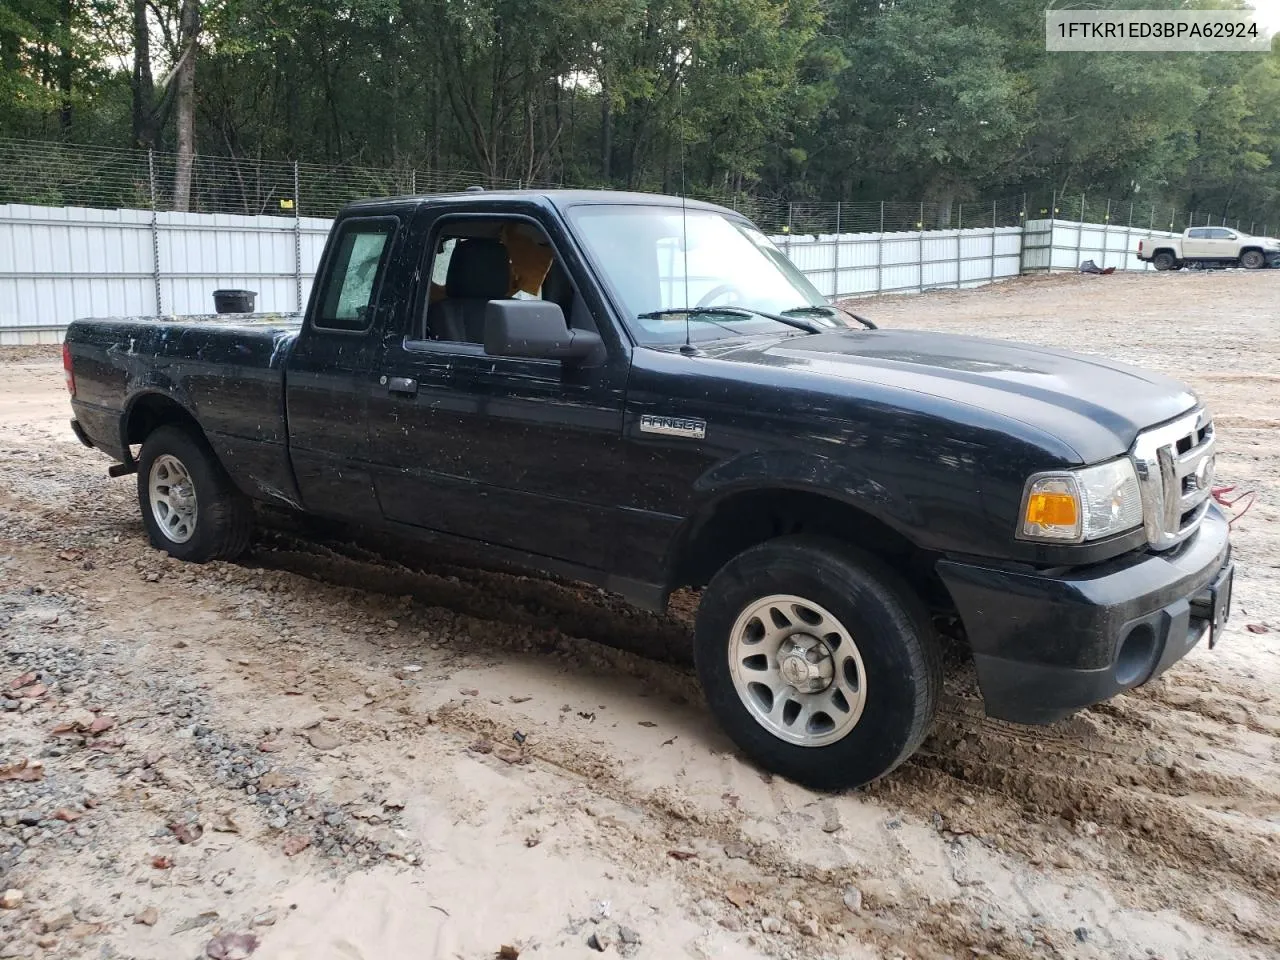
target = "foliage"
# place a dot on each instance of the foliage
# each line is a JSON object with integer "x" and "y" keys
{"x": 940, "y": 100}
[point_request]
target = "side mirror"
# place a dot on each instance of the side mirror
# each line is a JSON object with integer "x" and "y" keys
{"x": 536, "y": 329}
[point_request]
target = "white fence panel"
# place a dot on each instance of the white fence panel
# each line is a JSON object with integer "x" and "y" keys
{"x": 60, "y": 263}
{"x": 860, "y": 264}
{"x": 200, "y": 254}
{"x": 1064, "y": 245}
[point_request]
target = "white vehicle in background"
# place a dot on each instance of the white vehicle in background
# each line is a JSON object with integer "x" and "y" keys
{"x": 1210, "y": 246}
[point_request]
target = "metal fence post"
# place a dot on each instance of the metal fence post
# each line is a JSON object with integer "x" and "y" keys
{"x": 920, "y": 255}
{"x": 1106, "y": 233}
{"x": 790, "y": 205}
{"x": 155, "y": 231}
{"x": 297, "y": 241}
{"x": 1022, "y": 236}
{"x": 880, "y": 253}
{"x": 1053, "y": 223}
{"x": 835, "y": 259}
{"x": 413, "y": 180}
{"x": 1080, "y": 234}
{"x": 959, "y": 239}
{"x": 993, "y": 242}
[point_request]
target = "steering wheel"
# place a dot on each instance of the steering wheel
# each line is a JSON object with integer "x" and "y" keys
{"x": 715, "y": 292}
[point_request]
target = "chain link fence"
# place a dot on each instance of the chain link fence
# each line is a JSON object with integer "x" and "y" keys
{"x": 1154, "y": 216}
{"x": 57, "y": 174}
{"x": 61, "y": 175}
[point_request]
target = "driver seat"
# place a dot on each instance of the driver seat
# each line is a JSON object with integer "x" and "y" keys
{"x": 479, "y": 271}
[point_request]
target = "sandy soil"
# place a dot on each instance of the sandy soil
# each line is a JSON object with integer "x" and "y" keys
{"x": 324, "y": 753}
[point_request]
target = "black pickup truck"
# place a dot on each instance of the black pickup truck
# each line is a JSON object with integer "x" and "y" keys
{"x": 645, "y": 394}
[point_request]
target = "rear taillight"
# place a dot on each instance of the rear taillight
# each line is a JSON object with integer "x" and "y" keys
{"x": 66, "y": 365}
{"x": 1139, "y": 246}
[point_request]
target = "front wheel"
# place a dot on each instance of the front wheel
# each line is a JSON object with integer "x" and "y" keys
{"x": 190, "y": 507}
{"x": 1253, "y": 260}
{"x": 819, "y": 661}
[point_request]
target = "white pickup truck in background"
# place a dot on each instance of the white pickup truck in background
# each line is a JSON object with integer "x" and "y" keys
{"x": 1210, "y": 246}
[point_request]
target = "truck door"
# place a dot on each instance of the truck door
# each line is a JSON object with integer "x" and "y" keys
{"x": 1196, "y": 244}
{"x": 327, "y": 380}
{"x": 522, "y": 453}
{"x": 1224, "y": 244}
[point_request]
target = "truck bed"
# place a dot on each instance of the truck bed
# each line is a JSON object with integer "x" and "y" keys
{"x": 225, "y": 370}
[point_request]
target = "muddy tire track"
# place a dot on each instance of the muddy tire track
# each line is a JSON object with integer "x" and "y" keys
{"x": 478, "y": 592}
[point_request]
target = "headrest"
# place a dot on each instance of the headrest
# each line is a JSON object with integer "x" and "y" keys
{"x": 530, "y": 260}
{"x": 479, "y": 270}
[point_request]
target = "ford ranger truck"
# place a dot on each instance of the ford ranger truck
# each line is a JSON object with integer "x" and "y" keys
{"x": 1210, "y": 246}
{"x": 644, "y": 394}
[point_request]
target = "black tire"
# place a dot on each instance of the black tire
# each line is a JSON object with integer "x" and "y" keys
{"x": 893, "y": 635}
{"x": 223, "y": 516}
{"x": 1253, "y": 260}
{"x": 1164, "y": 260}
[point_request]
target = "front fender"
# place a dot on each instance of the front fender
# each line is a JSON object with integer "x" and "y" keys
{"x": 834, "y": 478}
{"x": 779, "y": 473}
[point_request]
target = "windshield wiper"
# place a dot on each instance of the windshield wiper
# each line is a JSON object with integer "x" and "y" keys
{"x": 703, "y": 312}
{"x": 830, "y": 309}
{"x": 693, "y": 313}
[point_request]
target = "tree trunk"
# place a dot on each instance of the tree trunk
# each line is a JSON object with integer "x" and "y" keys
{"x": 185, "y": 104}
{"x": 606, "y": 133}
{"x": 65, "y": 65}
{"x": 945, "y": 204}
{"x": 142, "y": 84}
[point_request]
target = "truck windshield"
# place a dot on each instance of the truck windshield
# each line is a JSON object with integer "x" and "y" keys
{"x": 657, "y": 261}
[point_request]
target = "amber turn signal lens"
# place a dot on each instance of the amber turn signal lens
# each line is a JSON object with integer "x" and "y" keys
{"x": 1051, "y": 509}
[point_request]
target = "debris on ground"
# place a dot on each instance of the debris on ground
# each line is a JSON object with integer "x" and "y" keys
{"x": 191, "y": 670}
{"x": 231, "y": 946}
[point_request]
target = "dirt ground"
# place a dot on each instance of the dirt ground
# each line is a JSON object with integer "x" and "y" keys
{"x": 322, "y": 753}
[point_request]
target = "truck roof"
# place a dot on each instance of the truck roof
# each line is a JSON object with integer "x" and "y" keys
{"x": 558, "y": 199}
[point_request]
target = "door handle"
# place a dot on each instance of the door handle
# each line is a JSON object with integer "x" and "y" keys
{"x": 404, "y": 386}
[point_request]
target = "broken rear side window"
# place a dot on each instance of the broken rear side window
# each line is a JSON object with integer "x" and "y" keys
{"x": 353, "y": 276}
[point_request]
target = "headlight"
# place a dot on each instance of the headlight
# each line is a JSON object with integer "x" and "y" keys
{"x": 1072, "y": 506}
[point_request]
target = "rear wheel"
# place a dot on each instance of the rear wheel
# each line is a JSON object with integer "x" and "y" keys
{"x": 190, "y": 507}
{"x": 1253, "y": 260}
{"x": 820, "y": 663}
{"x": 1164, "y": 260}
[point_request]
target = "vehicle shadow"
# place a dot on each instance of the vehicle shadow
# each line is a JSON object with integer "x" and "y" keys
{"x": 350, "y": 557}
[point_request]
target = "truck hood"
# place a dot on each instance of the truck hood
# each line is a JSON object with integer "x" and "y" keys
{"x": 1093, "y": 405}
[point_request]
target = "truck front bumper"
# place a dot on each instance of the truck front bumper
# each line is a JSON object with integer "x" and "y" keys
{"x": 1047, "y": 643}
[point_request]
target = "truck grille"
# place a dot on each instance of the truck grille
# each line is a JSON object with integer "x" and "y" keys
{"x": 1175, "y": 465}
